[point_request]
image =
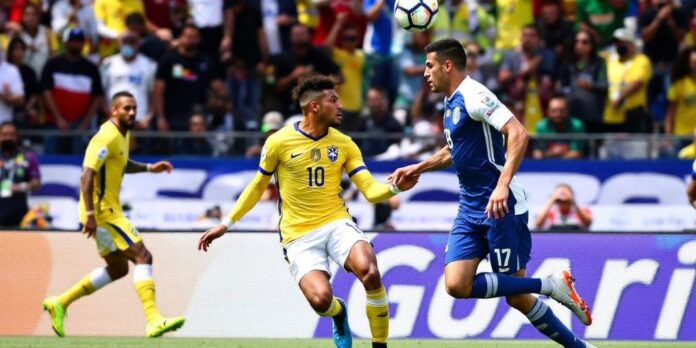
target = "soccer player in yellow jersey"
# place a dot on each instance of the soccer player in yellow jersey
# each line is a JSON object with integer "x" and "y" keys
{"x": 106, "y": 160}
{"x": 308, "y": 159}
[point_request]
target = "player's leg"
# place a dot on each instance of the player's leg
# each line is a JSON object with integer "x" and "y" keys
{"x": 362, "y": 262}
{"x": 116, "y": 267}
{"x": 465, "y": 248}
{"x": 133, "y": 248}
{"x": 309, "y": 265}
{"x": 543, "y": 318}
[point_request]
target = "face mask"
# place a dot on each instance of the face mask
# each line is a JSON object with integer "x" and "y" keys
{"x": 621, "y": 50}
{"x": 127, "y": 51}
{"x": 7, "y": 145}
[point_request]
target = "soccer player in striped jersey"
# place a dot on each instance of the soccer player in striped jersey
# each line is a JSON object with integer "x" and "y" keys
{"x": 492, "y": 214}
{"x": 118, "y": 241}
{"x": 308, "y": 159}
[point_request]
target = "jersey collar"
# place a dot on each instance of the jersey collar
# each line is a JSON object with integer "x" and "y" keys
{"x": 297, "y": 128}
{"x": 458, "y": 90}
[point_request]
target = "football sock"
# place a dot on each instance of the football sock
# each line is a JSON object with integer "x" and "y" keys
{"x": 377, "y": 309}
{"x": 487, "y": 285}
{"x": 334, "y": 309}
{"x": 90, "y": 283}
{"x": 542, "y": 317}
{"x": 145, "y": 287}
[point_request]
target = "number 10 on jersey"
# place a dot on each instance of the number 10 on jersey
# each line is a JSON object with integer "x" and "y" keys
{"x": 315, "y": 176}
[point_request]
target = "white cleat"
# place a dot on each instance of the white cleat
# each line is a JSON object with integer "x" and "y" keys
{"x": 564, "y": 292}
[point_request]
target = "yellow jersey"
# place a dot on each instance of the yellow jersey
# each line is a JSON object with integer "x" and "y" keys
{"x": 513, "y": 15}
{"x": 619, "y": 76}
{"x": 308, "y": 174}
{"x": 107, "y": 154}
{"x": 683, "y": 93}
{"x": 352, "y": 67}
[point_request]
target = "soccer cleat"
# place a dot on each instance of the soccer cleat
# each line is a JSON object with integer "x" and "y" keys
{"x": 379, "y": 345}
{"x": 162, "y": 325}
{"x": 342, "y": 336}
{"x": 564, "y": 292}
{"x": 57, "y": 313}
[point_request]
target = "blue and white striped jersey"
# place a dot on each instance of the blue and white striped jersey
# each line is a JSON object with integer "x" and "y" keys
{"x": 472, "y": 122}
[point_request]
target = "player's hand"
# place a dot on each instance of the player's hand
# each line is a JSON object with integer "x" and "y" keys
{"x": 402, "y": 173}
{"x": 497, "y": 205}
{"x": 210, "y": 235}
{"x": 161, "y": 166}
{"x": 407, "y": 182}
{"x": 90, "y": 227}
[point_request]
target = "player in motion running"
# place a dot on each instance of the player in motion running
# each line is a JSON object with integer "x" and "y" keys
{"x": 492, "y": 217}
{"x": 118, "y": 241}
{"x": 308, "y": 159}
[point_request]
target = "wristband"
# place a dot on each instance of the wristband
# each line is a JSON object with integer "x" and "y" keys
{"x": 89, "y": 213}
{"x": 148, "y": 167}
{"x": 227, "y": 222}
{"x": 394, "y": 189}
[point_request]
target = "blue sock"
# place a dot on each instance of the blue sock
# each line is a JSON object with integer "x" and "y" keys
{"x": 542, "y": 317}
{"x": 487, "y": 285}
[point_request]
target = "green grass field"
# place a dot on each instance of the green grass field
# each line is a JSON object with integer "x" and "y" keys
{"x": 54, "y": 342}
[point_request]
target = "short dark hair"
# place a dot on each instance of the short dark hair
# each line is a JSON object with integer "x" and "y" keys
{"x": 135, "y": 18}
{"x": 121, "y": 94}
{"x": 15, "y": 41}
{"x": 309, "y": 86}
{"x": 449, "y": 49}
{"x": 190, "y": 26}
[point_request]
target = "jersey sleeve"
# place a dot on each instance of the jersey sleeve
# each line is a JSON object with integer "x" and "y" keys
{"x": 693, "y": 171}
{"x": 354, "y": 162}
{"x": 484, "y": 106}
{"x": 269, "y": 157}
{"x": 97, "y": 152}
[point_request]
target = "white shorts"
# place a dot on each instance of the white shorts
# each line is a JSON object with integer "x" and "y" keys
{"x": 312, "y": 251}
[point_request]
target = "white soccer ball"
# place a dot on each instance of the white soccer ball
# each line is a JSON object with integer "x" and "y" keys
{"x": 415, "y": 15}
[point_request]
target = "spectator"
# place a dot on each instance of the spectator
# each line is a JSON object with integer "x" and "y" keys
{"x": 329, "y": 11}
{"x": 111, "y": 21}
{"x": 37, "y": 217}
{"x": 196, "y": 144}
{"x": 477, "y": 71}
{"x": 681, "y": 110}
{"x": 559, "y": 122}
{"x": 601, "y": 18}
{"x": 513, "y": 17}
{"x": 689, "y": 151}
{"x": 662, "y": 27}
{"x": 212, "y": 217}
{"x": 272, "y": 122}
{"x": 554, "y": 30}
{"x": 351, "y": 60}
{"x": 378, "y": 45}
{"x": 278, "y": 17}
{"x": 41, "y": 41}
{"x": 158, "y": 14}
{"x": 307, "y": 14}
{"x": 379, "y": 121}
{"x": 629, "y": 72}
{"x": 465, "y": 21}
{"x": 383, "y": 212}
{"x": 220, "y": 119}
{"x": 249, "y": 58}
{"x": 583, "y": 79}
{"x": 67, "y": 14}
{"x": 526, "y": 76}
{"x": 19, "y": 175}
{"x": 183, "y": 78}
{"x": 133, "y": 72}
{"x": 11, "y": 89}
{"x": 27, "y": 113}
{"x": 151, "y": 46}
{"x": 289, "y": 67}
{"x": 411, "y": 63}
{"x": 563, "y": 212}
{"x": 215, "y": 20}
{"x": 72, "y": 91}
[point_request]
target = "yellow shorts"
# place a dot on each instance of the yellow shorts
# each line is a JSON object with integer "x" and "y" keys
{"x": 116, "y": 234}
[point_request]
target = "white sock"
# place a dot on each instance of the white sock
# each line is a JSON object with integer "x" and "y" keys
{"x": 546, "y": 286}
{"x": 99, "y": 278}
{"x": 142, "y": 272}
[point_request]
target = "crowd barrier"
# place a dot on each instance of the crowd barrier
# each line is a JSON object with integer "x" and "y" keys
{"x": 640, "y": 287}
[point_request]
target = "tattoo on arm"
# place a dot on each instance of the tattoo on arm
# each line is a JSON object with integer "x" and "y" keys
{"x": 135, "y": 167}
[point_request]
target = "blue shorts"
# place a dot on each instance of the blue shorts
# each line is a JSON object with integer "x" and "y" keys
{"x": 506, "y": 241}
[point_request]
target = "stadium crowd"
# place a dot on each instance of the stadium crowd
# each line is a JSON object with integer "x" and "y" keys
{"x": 214, "y": 66}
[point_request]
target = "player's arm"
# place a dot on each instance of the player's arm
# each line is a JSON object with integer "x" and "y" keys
{"x": 439, "y": 160}
{"x": 517, "y": 139}
{"x": 138, "y": 167}
{"x": 373, "y": 190}
{"x": 250, "y": 196}
{"x": 87, "y": 186}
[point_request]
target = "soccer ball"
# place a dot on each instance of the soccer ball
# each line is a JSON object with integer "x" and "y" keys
{"x": 415, "y": 15}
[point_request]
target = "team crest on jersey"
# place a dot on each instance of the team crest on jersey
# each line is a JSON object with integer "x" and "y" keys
{"x": 488, "y": 101}
{"x": 316, "y": 155}
{"x": 456, "y": 115}
{"x": 332, "y": 153}
{"x": 101, "y": 155}
{"x": 448, "y": 113}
